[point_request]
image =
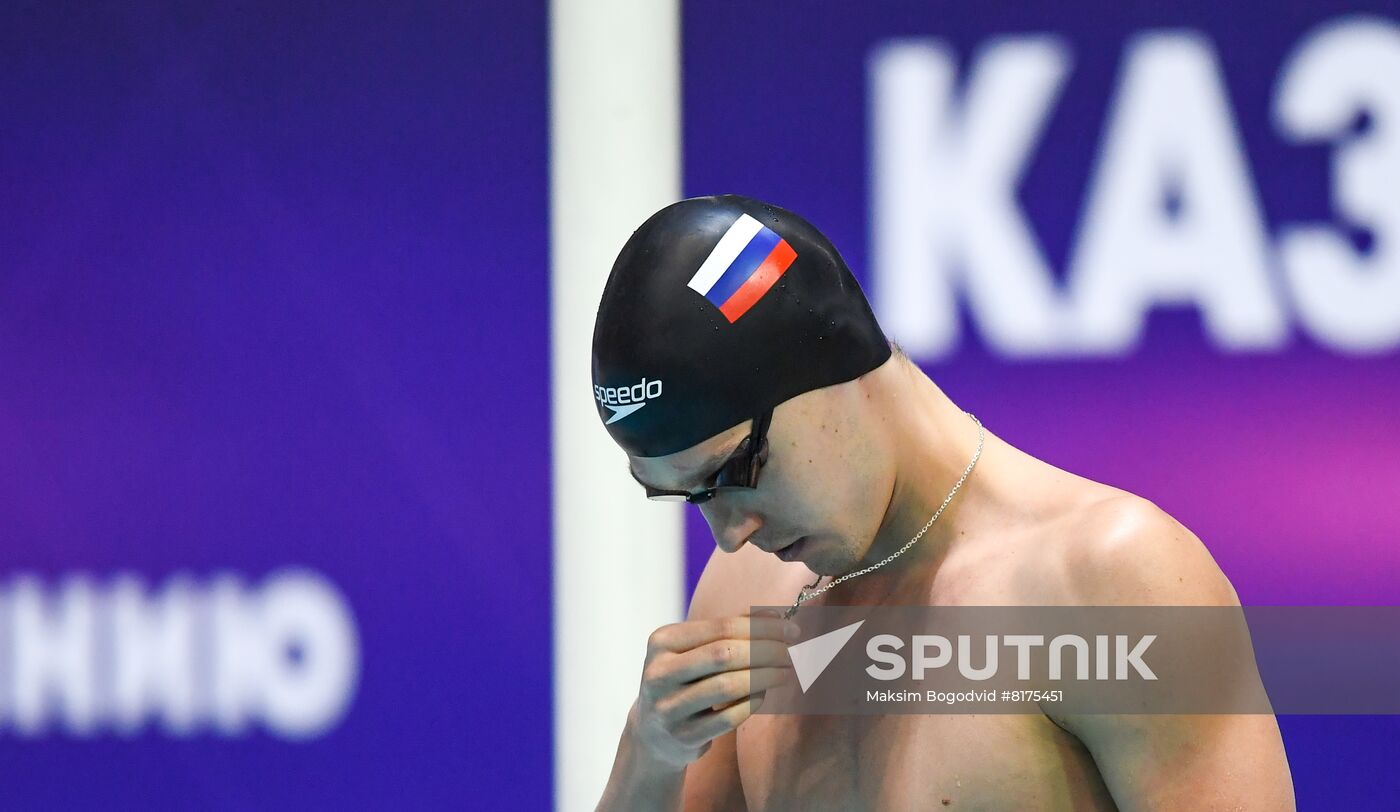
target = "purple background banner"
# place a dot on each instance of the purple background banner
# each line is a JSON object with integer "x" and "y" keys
{"x": 273, "y": 292}
{"x": 1285, "y": 462}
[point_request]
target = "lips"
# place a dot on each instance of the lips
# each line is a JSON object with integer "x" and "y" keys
{"x": 792, "y": 551}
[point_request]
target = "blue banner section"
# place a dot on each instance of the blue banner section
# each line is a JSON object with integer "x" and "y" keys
{"x": 273, "y": 326}
{"x": 1151, "y": 244}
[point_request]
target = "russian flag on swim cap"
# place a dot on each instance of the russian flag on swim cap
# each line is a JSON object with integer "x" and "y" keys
{"x": 744, "y": 264}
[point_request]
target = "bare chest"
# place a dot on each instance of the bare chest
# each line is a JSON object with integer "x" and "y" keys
{"x": 902, "y": 762}
{"x": 921, "y": 762}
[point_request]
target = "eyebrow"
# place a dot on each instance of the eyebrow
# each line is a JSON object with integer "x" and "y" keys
{"x": 712, "y": 465}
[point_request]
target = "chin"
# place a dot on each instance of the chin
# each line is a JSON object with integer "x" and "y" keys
{"x": 822, "y": 564}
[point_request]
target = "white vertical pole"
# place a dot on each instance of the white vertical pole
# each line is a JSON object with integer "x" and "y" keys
{"x": 618, "y": 559}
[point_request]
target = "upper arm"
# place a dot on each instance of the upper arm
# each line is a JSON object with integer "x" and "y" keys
{"x": 712, "y": 781}
{"x": 1139, "y": 555}
{"x": 1162, "y": 762}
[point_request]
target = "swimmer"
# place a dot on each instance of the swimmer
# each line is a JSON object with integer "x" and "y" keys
{"x": 738, "y": 364}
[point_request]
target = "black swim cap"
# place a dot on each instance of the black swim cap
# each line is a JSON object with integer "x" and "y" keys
{"x": 717, "y": 309}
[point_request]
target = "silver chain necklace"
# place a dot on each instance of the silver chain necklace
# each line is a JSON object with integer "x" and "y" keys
{"x": 804, "y": 595}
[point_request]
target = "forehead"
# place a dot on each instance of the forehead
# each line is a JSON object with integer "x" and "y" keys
{"x": 685, "y": 468}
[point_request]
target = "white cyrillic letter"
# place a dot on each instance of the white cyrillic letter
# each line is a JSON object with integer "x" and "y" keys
{"x": 945, "y": 174}
{"x": 304, "y": 615}
{"x": 54, "y": 655}
{"x": 1171, "y": 216}
{"x": 153, "y": 655}
{"x": 1348, "y": 300}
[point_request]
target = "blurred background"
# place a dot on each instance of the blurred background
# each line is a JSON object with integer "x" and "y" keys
{"x": 303, "y": 503}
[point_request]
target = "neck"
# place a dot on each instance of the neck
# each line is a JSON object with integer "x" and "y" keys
{"x": 933, "y": 441}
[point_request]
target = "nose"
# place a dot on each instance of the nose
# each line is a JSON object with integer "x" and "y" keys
{"x": 730, "y": 528}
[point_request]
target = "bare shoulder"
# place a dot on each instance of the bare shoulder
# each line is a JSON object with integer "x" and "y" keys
{"x": 1125, "y": 550}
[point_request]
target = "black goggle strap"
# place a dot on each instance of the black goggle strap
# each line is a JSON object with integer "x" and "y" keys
{"x": 760, "y": 429}
{"x": 742, "y": 468}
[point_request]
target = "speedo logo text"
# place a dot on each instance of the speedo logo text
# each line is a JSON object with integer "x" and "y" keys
{"x": 624, "y": 400}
